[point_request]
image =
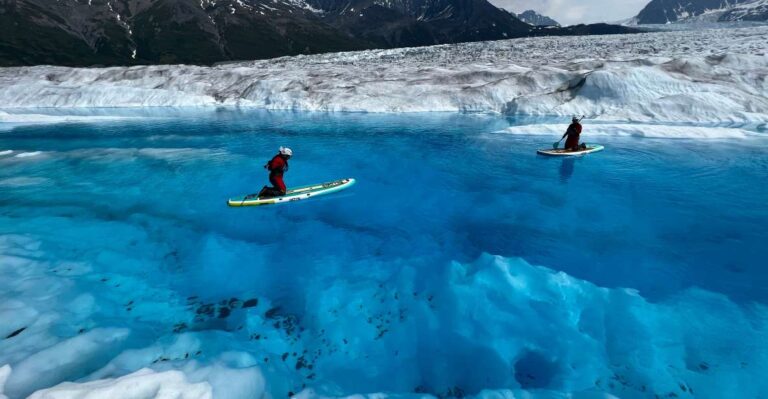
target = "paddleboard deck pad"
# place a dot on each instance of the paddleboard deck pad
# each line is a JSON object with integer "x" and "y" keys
{"x": 568, "y": 153}
{"x": 293, "y": 194}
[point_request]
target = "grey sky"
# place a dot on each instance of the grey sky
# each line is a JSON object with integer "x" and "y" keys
{"x": 569, "y": 12}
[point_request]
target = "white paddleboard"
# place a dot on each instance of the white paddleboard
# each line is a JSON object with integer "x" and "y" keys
{"x": 293, "y": 194}
{"x": 561, "y": 152}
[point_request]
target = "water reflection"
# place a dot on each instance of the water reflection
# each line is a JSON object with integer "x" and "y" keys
{"x": 566, "y": 168}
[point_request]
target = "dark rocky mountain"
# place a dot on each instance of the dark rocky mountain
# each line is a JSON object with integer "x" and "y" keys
{"x": 533, "y": 18}
{"x": 581, "y": 30}
{"x": 669, "y": 11}
{"x": 85, "y": 32}
{"x": 126, "y": 32}
{"x": 396, "y": 23}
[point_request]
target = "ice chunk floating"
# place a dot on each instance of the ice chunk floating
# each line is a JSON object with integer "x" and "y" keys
{"x": 460, "y": 265}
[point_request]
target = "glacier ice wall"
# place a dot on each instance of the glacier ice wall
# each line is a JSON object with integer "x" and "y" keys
{"x": 686, "y": 76}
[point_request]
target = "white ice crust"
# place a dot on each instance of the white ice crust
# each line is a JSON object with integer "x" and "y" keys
{"x": 143, "y": 384}
{"x": 32, "y": 118}
{"x": 710, "y": 76}
{"x": 5, "y": 371}
{"x": 637, "y": 130}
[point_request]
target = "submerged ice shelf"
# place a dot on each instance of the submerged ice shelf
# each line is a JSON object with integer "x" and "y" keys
{"x": 711, "y": 76}
{"x": 496, "y": 327}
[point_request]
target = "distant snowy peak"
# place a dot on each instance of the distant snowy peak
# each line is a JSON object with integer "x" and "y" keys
{"x": 533, "y": 18}
{"x": 752, "y": 11}
{"x": 682, "y": 11}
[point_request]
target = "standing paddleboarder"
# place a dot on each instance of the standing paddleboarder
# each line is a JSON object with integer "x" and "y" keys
{"x": 277, "y": 166}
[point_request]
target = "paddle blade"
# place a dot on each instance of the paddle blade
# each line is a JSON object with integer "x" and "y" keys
{"x": 554, "y": 146}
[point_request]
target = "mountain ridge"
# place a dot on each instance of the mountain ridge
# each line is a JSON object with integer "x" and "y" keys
{"x": 204, "y": 32}
{"x": 681, "y": 11}
{"x": 534, "y": 18}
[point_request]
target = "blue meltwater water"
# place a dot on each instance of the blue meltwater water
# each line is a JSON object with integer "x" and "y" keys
{"x": 461, "y": 263}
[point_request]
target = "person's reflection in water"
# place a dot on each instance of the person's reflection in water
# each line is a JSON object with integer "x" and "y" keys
{"x": 566, "y": 169}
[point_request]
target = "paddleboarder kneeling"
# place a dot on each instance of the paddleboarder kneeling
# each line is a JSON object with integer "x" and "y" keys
{"x": 277, "y": 166}
{"x": 573, "y": 133}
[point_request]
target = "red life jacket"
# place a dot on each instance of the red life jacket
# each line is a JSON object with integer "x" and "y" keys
{"x": 573, "y": 132}
{"x": 574, "y": 129}
{"x": 277, "y": 166}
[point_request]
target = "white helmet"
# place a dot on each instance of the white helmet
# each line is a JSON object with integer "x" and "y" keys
{"x": 286, "y": 151}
